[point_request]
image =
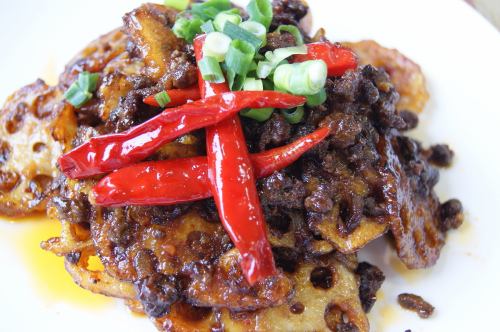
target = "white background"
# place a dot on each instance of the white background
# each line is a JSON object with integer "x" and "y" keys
{"x": 459, "y": 53}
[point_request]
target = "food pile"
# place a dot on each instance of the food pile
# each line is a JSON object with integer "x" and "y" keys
{"x": 226, "y": 167}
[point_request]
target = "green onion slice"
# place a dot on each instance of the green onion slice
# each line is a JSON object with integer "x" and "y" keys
{"x": 234, "y": 80}
{"x": 235, "y": 32}
{"x": 293, "y": 116}
{"x": 80, "y": 92}
{"x": 187, "y": 28}
{"x": 208, "y": 27}
{"x": 305, "y": 78}
{"x": 252, "y": 84}
{"x": 317, "y": 99}
{"x": 239, "y": 56}
{"x": 177, "y": 4}
{"x": 88, "y": 81}
{"x": 294, "y": 31}
{"x": 209, "y": 9}
{"x": 76, "y": 96}
{"x": 210, "y": 70}
{"x": 257, "y": 29}
{"x": 258, "y": 114}
{"x": 265, "y": 68}
{"x": 260, "y": 11}
{"x": 162, "y": 98}
{"x": 223, "y": 17}
{"x": 216, "y": 45}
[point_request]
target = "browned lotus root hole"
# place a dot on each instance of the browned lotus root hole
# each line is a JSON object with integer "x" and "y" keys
{"x": 39, "y": 147}
{"x": 31, "y": 119}
{"x": 406, "y": 75}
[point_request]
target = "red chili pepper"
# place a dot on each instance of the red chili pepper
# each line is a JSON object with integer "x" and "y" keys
{"x": 103, "y": 154}
{"x": 338, "y": 59}
{"x": 176, "y": 181}
{"x": 232, "y": 182}
{"x": 178, "y": 97}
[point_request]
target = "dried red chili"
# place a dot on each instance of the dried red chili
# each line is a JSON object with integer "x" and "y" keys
{"x": 183, "y": 180}
{"x": 338, "y": 59}
{"x": 106, "y": 153}
{"x": 232, "y": 183}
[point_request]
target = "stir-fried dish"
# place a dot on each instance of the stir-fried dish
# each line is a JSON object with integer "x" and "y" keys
{"x": 226, "y": 166}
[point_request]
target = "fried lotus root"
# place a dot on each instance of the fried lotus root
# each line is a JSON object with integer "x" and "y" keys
{"x": 97, "y": 281}
{"x": 137, "y": 243}
{"x": 368, "y": 230}
{"x": 148, "y": 28}
{"x": 175, "y": 238}
{"x": 226, "y": 286}
{"x": 326, "y": 299}
{"x": 77, "y": 247}
{"x": 416, "y": 232}
{"x": 365, "y": 210}
{"x": 36, "y": 127}
{"x": 406, "y": 75}
{"x": 94, "y": 57}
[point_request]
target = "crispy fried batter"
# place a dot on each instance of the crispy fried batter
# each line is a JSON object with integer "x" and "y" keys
{"x": 406, "y": 75}
{"x": 36, "y": 127}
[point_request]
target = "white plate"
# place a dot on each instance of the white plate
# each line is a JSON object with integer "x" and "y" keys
{"x": 460, "y": 54}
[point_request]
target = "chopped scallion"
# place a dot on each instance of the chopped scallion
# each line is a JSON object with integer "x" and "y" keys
{"x": 208, "y": 27}
{"x": 257, "y": 29}
{"x": 80, "y": 92}
{"x": 177, "y": 4}
{"x": 252, "y": 84}
{"x": 88, "y": 81}
{"x": 209, "y": 9}
{"x": 239, "y": 56}
{"x": 294, "y": 31}
{"x": 265, "y": 68}
{"x": 210, "y": 70}
{"x": 162, "y": 98}
{"x": 216, "y": 45}
{"x": 187, "y": 28}
{"x": 223, "y": 17}
{"x": 293, "y": 116}
{"x": 317, "y": 99}
{"x": 258, "y": 114}
{"x": 305, "y": 78}
{"x": 235, "y": 32}
{"x": 260, "y": 11}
